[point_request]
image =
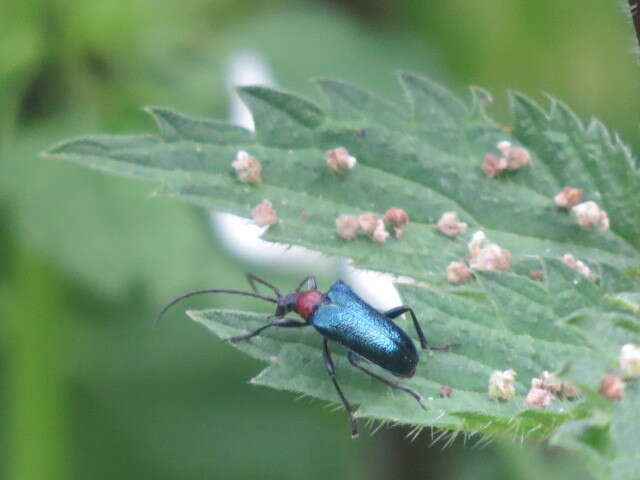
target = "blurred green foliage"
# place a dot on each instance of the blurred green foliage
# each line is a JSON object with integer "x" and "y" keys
{"x": 89, "y": 388}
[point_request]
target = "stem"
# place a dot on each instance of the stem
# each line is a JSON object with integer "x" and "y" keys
{"x": 35, "y": 388}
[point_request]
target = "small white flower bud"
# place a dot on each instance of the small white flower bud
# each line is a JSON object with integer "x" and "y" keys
{"x": 450, "y": 224}
{"x": 629, "y": 361}
{"x": 339, "y": 159}
{"x": 248, "y": 169}
{"x": 264, "y": 214}
{"x": 380, "y": 233}
{"x": 501, "y": 384}
{"x": 475, "y": 245}
{"x": 504, "y": 146}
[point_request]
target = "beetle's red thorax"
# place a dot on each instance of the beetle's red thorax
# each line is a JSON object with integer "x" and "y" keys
{"x": 307, "y": 302}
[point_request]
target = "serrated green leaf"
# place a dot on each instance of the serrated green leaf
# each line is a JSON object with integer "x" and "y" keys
{"x": 282, "y": 119}
{"x": 425, "y": 157}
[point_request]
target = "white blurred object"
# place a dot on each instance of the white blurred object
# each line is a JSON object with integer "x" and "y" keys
{"x": 241, "y": 236}
{"x": 245, "y": 68}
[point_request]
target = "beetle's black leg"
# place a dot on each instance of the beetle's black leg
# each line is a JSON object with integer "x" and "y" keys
{"x": 328, "y": 364}
{"x": 311, "y": 283}
{"x": 281, "y": 323}
{"x": 397, "y": 311}
{"x": 251, "y": 278}
{"x": 354, "y": 361}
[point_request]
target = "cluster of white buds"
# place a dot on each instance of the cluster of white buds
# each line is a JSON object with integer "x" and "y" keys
{"x": 590, "y": 215}
{"x": 372, "y": 224}
{"x": 487, "y": 257}
{"x": 538, "y": 397}
{"x": 543, "y": 390}
{"x": 339, "y": 160}
{"x": 502, "y": 384}
{"x": 481, "y": 257}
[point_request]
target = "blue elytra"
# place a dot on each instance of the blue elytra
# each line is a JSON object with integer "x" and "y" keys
{"x": 347, "y": 319}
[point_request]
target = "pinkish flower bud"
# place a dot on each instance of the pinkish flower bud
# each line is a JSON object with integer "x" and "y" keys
{"x": 368, "y": 222}
{"x": 339, "y": 159}
{"x": 590, "y": 215}
{"x": 493, "y": 165}
{"x": 538, "y": 397}
{"x": 248, "y": 169}
{"x": 457, "y": 272}
{"x": 264, "y": 214}
{"x": 450, "y": 224}
{"x": 398, "y": 218}
{"x": 347, "y": 226}
{"x": 490, "y": 257}
{"x": 568, "y": 197}
{"x": 517, "y": 157}
{"x": 612, "y": 387}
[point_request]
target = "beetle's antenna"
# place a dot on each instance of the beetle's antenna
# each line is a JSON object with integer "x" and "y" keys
{"x": 210, "y": 290}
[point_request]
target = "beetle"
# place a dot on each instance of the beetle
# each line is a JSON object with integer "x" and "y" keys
{"x": 341, "y": 316}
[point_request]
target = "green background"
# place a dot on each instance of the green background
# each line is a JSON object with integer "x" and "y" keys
{"x": 89, "y": 388}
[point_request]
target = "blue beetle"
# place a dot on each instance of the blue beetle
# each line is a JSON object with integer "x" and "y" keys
{"x": 340, "y": 315}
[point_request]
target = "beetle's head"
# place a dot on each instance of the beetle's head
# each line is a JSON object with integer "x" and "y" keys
{"x": 286, "y": 304}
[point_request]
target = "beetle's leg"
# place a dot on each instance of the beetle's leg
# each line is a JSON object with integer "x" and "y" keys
{"x": 280, "y": 323}
{"x": 311, "y": 283}
{"x": 354, "y": 361}
{"x": 397, "y": 311}
{"x": 331, "y": 369}
{"x": 251, "y": 278}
